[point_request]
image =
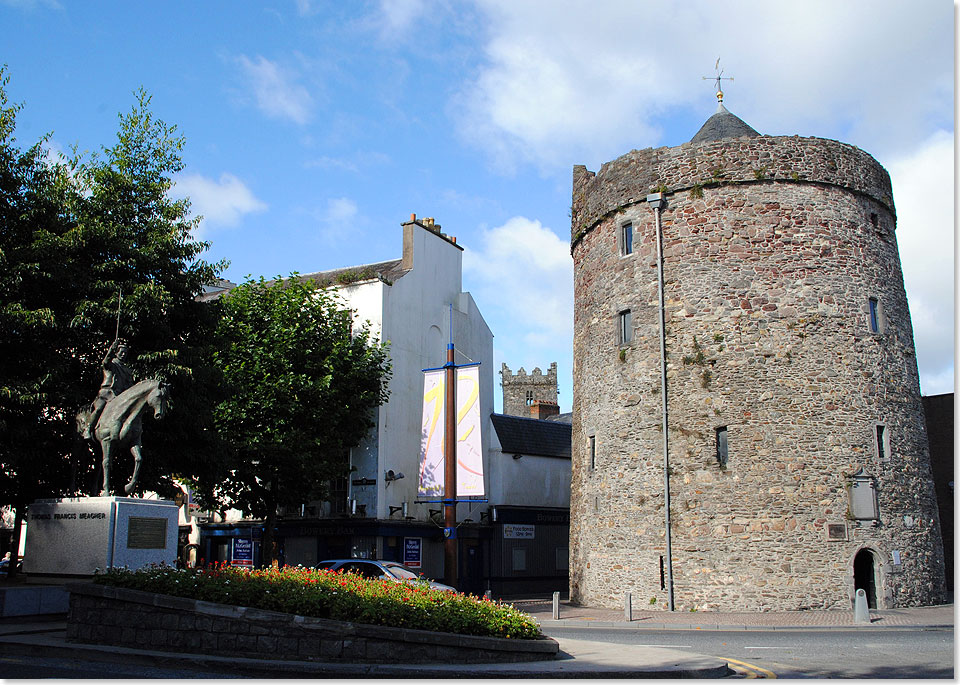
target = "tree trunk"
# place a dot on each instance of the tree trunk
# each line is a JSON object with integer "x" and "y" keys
{"x": 268, "y": 551}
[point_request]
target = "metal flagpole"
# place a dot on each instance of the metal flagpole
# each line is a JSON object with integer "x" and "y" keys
{"x": 450, "y": 466}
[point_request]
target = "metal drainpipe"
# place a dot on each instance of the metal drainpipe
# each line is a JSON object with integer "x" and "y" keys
{"x": 657, "y": 202}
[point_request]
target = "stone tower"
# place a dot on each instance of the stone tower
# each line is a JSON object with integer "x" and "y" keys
{"x": 521, "y": 390}
{"x": 795, "y": 463}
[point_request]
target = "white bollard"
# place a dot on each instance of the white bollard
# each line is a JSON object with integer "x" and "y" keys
{"x": 556, "y": 606}
{"x": 627, "y": 607}
{"x": 488, "y": 595}
{"x": 861, "y": 612}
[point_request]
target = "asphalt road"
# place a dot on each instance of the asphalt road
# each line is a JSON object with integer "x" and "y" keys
{"x": 802, "y": 654}
{"x": 13, "y": 667}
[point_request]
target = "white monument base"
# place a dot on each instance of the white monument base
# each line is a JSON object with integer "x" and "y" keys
{"x": 72, "y": 537}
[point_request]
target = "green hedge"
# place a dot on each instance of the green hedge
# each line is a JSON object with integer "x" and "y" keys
{"x": 338, "y": 596}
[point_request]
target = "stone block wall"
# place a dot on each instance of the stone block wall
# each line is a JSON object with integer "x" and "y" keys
{"x": 520, "y": 386}
{"x": 130, "y": 618}
{"x": 769, "y": 267}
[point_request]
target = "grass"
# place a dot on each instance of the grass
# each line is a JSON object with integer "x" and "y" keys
{"x": 338, "y": 596}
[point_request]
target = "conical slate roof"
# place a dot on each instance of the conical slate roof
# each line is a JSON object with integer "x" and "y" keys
{"x": 721, "y": 125}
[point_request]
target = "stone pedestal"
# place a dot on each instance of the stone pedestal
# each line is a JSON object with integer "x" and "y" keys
{"x": 71, "y": 537}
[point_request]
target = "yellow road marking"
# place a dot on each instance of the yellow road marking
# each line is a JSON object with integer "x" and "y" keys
{"x": 751, "y": 670}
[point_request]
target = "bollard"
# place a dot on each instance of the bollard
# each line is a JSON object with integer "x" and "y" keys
{"x": 556, "y": 606}
{"x": 627, "y": 607}
{"x": 861, "y": 612}
{"x": 488, "y": 595}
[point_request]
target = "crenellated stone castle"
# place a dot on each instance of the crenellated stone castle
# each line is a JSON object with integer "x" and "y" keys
{"x": 530, "y": 394}
{"x": 795, "y": 464}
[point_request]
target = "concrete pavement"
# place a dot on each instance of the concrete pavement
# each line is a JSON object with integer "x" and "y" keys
{"x": 45, "y": 636}
{"x": 571, "y": 615}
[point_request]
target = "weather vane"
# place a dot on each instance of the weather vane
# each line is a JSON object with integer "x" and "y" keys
{"x": 719, "y": 77}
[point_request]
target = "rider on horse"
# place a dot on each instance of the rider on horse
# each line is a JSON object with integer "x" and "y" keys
{"x": 117, "y": 377}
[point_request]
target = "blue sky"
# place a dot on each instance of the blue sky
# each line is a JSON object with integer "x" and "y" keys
{"x": 315, "y": 128}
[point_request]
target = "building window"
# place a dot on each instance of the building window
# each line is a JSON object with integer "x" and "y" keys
{"x": 563, "y": 558}
{"x": 722, "y": 452}
{"x": 883, "y": 442}
{"x": 529, "y": 397}
{"x": 519, "y": 558}
{"x": 625, "y": 329}
{"x": 592, "y": 449}
{"x": 626, "y": 239}
{"x": 874, "y": 314}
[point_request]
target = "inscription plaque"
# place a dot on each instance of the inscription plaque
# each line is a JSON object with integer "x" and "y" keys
{"x": 147, "y": 533}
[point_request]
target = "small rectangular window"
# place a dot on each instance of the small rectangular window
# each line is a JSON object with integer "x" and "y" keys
{"x": 722, "y": 452}
{"x": 562, "y": 558}
{"x": 593, "y": 452}
{"x": 883, "y": 443}
{"x": 874, "y": 305}
{"x": 626, "y": 239}
{"x": 625, "y": 328}
{"x": 519, "y": 559}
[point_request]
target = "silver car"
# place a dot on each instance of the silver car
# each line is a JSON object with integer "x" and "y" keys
{"x": 391, "y": 570}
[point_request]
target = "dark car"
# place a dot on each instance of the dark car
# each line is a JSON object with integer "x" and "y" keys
{"x": 391, "y": 570}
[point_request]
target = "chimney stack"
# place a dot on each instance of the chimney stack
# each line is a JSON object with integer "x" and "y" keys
{"x": 541, "y": 409}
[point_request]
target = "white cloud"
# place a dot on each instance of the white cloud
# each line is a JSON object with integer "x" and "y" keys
{"x": 522, "y": 279}
{"x": 564, "y": 83}
{"x": 339, "y": 210}
{"x": 220, "y": 203}
{"x": 395, "y": 18}
{"x": 275, "y": 89}
{"x": 923, "y": 188}
{"x": 337, "y": 218}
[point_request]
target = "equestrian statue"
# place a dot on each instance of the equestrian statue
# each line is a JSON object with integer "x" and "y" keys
{"x": 115, "y": 418}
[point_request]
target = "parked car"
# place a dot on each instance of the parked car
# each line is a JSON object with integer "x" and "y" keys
{"x": 391, "y": 570}
{"x": 5, "y": 564}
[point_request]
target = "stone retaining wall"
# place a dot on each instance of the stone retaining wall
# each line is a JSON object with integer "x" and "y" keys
{"x": 130, "y": 618}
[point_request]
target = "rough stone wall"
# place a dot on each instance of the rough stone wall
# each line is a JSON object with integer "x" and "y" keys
{"x": 131, "y": 618}
{"x": 767, "y": 277}
{"x": 543, "y": 386}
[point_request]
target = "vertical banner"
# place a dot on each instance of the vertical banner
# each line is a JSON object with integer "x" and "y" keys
{"x": 431, "y": 434}
{"x": 469, "y": 450}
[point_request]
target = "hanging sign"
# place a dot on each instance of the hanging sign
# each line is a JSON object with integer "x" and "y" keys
{"x": 431, "y": 434}
{"x": 469, "y": 449}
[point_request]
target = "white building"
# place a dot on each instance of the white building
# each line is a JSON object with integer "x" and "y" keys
{"x": 410, "y": 303}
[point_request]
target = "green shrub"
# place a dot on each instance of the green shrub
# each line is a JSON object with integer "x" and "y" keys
{"x": 338, "y": 596}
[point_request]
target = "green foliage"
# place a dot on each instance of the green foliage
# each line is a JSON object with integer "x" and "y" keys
{"x": 696, "y": 191}
{"x": 338, "y": 596}
{"x": 301, "y": 388}
{"x": 74, "y": 234}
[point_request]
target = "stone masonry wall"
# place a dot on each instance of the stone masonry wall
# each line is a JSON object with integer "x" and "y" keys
{"x": 543, "y": 386}
{"x": 130, "y": 618}
{"x": 767, "y": 288}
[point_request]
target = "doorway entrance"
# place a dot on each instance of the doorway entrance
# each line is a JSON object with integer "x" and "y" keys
{"x": 865, "y": 575}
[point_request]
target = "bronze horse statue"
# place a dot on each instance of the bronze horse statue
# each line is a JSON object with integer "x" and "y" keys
{"x": 121, "y": 425}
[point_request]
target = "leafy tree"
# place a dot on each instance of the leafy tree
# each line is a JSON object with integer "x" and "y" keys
{"x": 75, "y": 234}
{"x": 302, "y": 385}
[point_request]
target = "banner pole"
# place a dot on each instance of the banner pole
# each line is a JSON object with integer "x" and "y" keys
{"x": 450, "y": 466}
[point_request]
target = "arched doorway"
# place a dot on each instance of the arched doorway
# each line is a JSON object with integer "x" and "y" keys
{"x": 865, "y": 575}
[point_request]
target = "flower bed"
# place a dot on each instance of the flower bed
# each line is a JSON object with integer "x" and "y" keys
{"x": 337, "y": 596}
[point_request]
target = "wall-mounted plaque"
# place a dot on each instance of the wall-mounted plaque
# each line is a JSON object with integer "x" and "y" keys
{"x": 146, "y": 533}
